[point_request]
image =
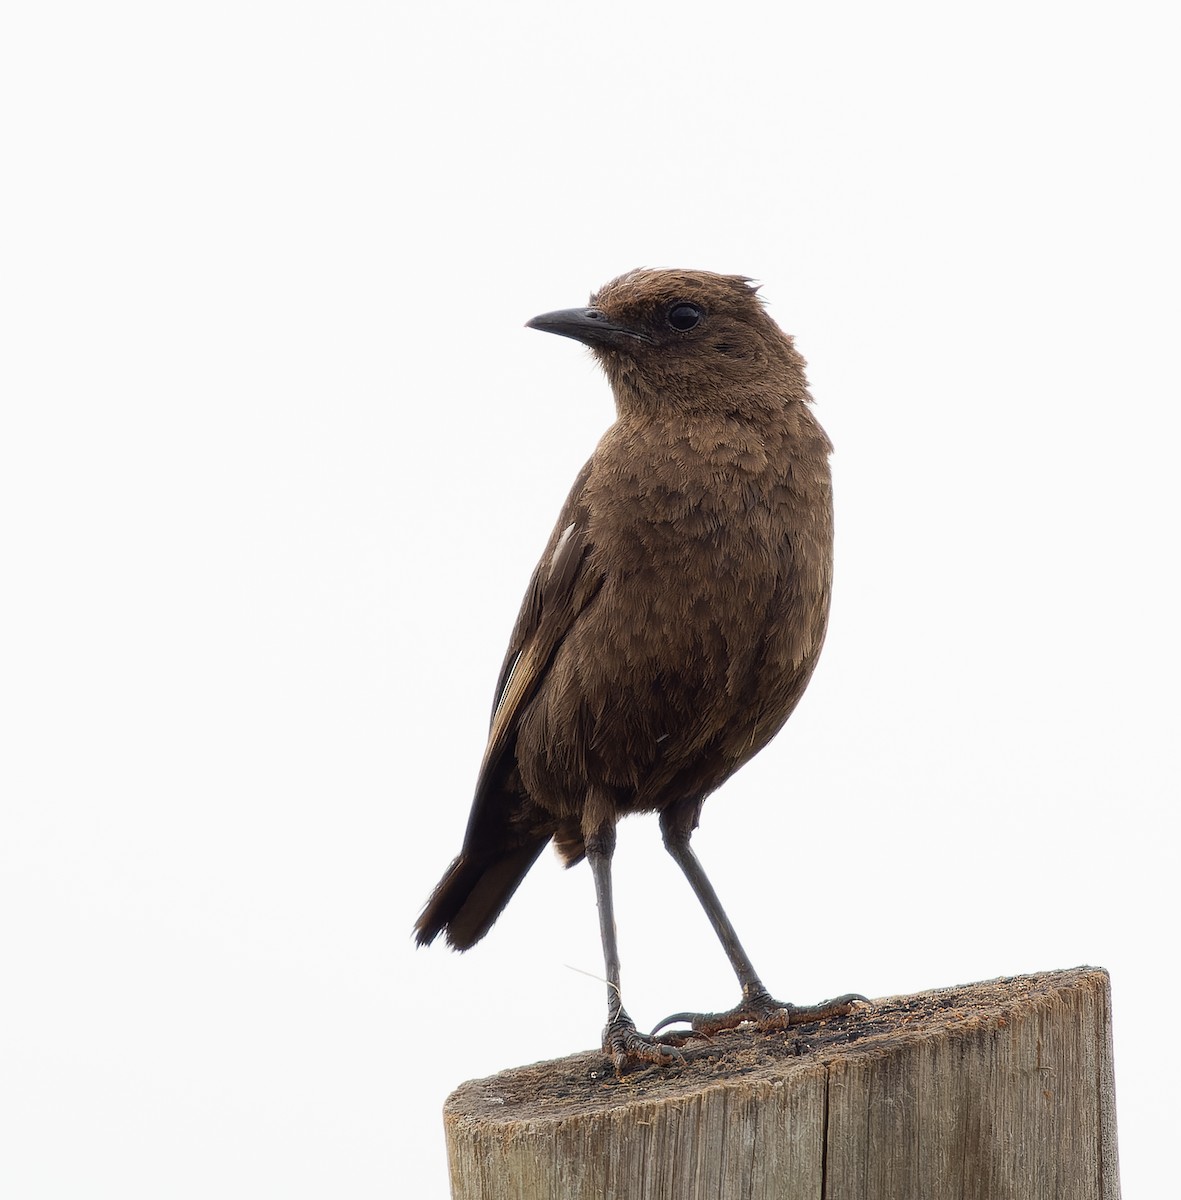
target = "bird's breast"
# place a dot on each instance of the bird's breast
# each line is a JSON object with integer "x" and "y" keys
{"x": 713, "y": 548}
{"x": 709, "y": 509}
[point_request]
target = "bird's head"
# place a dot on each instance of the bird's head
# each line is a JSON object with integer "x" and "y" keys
{"x": 684, "y": 339}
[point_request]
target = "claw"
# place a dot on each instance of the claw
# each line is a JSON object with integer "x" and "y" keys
{"x": 687, "y": 1017}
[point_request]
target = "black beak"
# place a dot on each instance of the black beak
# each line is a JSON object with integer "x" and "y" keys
{"x": 590, "y": 326}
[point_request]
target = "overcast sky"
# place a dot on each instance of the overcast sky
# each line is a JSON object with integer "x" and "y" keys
{"x": 277, "y": 457}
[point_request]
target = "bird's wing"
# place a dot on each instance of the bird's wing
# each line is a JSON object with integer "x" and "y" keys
{"x": 563, "y": 584}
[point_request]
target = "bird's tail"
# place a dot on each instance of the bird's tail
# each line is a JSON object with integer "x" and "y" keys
{"x": 472, "y": 893}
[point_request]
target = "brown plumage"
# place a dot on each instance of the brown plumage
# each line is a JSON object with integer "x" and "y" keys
{"x": 673, "y": 621}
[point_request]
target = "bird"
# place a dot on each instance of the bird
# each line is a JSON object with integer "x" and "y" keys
{"x": 670, "y": 628}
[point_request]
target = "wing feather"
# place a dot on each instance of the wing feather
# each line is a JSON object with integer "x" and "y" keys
{"x": 562, "y": 585}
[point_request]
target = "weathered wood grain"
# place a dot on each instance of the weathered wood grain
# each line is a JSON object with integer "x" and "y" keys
{"x": 994, "y": 1091}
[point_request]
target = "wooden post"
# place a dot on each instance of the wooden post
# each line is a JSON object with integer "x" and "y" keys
{"x": 994, "y": 1091}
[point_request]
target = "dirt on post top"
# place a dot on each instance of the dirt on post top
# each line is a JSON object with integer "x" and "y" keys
{"x": 586, "y": 1083}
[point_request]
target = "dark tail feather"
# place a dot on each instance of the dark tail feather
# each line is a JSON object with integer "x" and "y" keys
{"x": 472, "y": 894}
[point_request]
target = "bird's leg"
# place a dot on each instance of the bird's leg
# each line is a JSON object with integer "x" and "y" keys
{"x": 757, "y": 1005}
{"x": 621, "y": 1040}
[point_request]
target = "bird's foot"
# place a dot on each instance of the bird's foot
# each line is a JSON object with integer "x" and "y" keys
{"x": 629, "y": 1048}
{"x": 760, "y": 1009}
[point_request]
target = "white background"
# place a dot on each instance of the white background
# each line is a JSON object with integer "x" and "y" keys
{"x": 277, "y": 459}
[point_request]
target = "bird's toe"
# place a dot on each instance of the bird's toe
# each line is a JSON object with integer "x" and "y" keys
{"x": 628, "y": 1048}
{"x": 766, "y": 1013}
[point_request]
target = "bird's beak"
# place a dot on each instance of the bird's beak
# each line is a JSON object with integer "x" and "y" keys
{"x": 591, "y": 326}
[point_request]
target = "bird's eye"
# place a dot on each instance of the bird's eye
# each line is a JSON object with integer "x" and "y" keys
{"x": 683, "y": 317}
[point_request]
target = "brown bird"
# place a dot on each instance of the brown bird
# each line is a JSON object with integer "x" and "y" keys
{"x": 672, "y": 624}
